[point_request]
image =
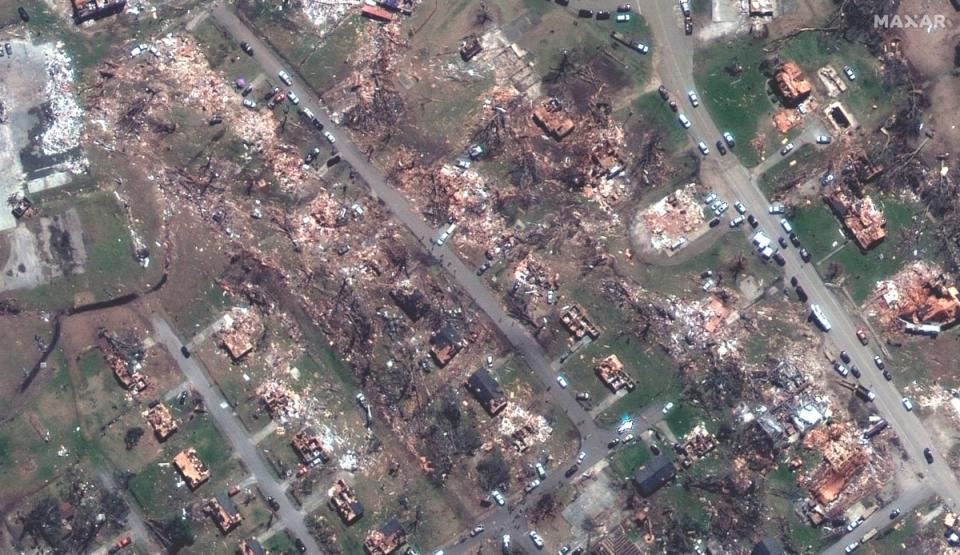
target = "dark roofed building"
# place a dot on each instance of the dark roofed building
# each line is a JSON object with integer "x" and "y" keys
{"x": 445, "y": 345}
{"x": 96, "y": 9}
{"x": 654, "y": 475}
{"x": 487, "y": 391}
{"x": 767, "y": 546}
{"x": 388, "y": 539}
{"x": 412, "y": 303}
{"x": 251, "y": 547}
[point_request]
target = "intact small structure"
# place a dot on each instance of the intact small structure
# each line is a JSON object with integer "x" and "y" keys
{"x": 84, "y": 10}
{"x": 487, "y": 391}
{"x": 188, "y": 463}
{"x": 860, "y": 216}
{"x": 250, "y": 546}
{"x": 386, "y": 540}
{"x": 444, "y": 345}
{"x": 224, "y": 513}
{"x": 344, "y": 501}
{"x": 162, "y": 422}
{"x": 309, "y": 448}
{"x": 550, "y": 116}
{"x": 577, "y": 323}
{"x": 654, "y": 475}
{"x": 377, "y": 13}
{"x": 791, "y": 84}
{"x": 239, "y": 334}
{"x": 611, "y": 373}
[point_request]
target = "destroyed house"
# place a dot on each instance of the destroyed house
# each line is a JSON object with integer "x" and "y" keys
{"x": 654, "y": 475}
{"x": 578, "y": 324}
{"x": 224, "y": 513}
{"x": 550, "y": 117}
{"x": 188, "y": 463}
{"x": 611, "y": 373}
{"x": 127, "y": 373}
{"x": 617, "y": 543}
{"x": 250, "y": 547}
{"x": 444, "y": 345}
{"x": 791, "y": 84}
{"x": 403, "y": 6}
{"x": 388, "y": 539}
{"x": 412, "y": 303}
{"x": 767, "y": 546}
{"x": 84, "y": 10}
{"x": 377, "y": 13}
{"x": 240, "y": 331}
{"x": 860, "y": 216}
{"x": 344, "y": 501}
{"x": 487, "y": 391}
{"x": 162, "y": 422}
{"x": 470, "y": 47}
{"x": 308, "y": 446}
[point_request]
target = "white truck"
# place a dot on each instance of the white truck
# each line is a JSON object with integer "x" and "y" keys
{"x": 820, "y": 317}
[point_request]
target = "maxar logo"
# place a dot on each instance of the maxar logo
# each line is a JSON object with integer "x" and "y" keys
{"x": 926, "y": 22}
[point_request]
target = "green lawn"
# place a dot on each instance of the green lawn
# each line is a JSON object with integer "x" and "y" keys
{"x": 658, "y": 381}
{"x": 817, "y": 228}
{"x": 807, "y": 161}
{"x": 649, "y": 110}
{"x": 629, "y": 458}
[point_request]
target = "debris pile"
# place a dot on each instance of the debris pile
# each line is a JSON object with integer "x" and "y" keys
{"x": 918, "y": 296}
{"x": 672, "y": 218}
{"x": 843, "y": 459}
{"x": 611, "y": 373}
{"x": 63, "y": 134}
{"x": 577, "y": 323}
{"x": 550, "y": 116}
{"x": 859, "y": 215}
{"x": 188, "y": 463}
{"x": 125, "y": 357}
{"x": 162, "y": 422}
{"x": 280, "y": 402}
{"x": 792, "y": 84}
{"x": 388, "y": 539}
{"x": 344, "y": 501}
{"x": 224, "y": 513}
{"x": 523, "y": 428}
{"x": 322, "y": 13}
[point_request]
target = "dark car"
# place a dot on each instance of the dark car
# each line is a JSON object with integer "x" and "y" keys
{"x": 654, "y": 449}
{"x": 603, "y": 15}
{"x": 855, "y": 371}
{"x": 613, "y": 443}
{"x": 721, "y": 148}
{"x": 585, "y": 13}
{"x": 928, "y": 454}
{"x": 887, "y": 375}
{"x": 8, "y": 49}
{"x": 664, "y": 94}
{"x": 483, "y": 268}
{"x": 779, "y": 258}
{"x": 894, "y": 513}
{"x": 301, "y": 547}
{"x": 562, "y": 2}
{"x": 673, "y": 105}
{"x": 245, "y": 46}
{"x": 715, "y": 222}
{"x": 782, "y": 242}
{"x": 801, "y": 294}
{"x": 805, "y": 255}
{"x": 23, "y": 14}
{"x": 572, "y": 470}
{"x": 795, "y": 239}
{"x": 794, "y": 281}
{"x": 845, "y": 356}
{"x": 184, "y": 351}
{"x": 688, "y": 25}
{"x": 752, "y": 220}
{"x": 272, "y": 503}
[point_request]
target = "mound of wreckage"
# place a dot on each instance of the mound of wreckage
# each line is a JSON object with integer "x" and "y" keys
{"x": 920, "y": 299}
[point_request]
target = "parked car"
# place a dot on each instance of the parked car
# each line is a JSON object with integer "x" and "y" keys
{"x": 293, "y": 97}
{"x": 536, "y": 539}
{"x": 623, "y": 17}
{"x": 862, "y": 336}
{"x": 736, "y": 221}
{"x": 622, "y": 8}
{"x": 684, "y": 121}
{"x": 804, "y": 255}
{"x": 779, "y": 259}
{"x": 505, "y": 544}
{"x": 850, "y": 548}
{"x": 8, "y": 49}
{"x": 845, "y": 356}
{"x": 854, "y": 524}
{"x": 640, "y": 47}
{"x": 24, "y": 16}
{"x": 721, "y": 209}
{"x": 184, "y": 351}
{"x": 329, "y": 136}
{"x": 786, "y": 149}
{"x": 741, "y": 209}
{"x": 801, "y": 294}
{"x": 776, "y": 208}
{"x": 586, "y": 14}
{"x": 250, "y": 103}
{"x": 827, "y": 179}
{"x": 613, "y": 443}
{"x": 907, "y": 403}
{"x": 752, "y": 221}
{"x": 855, "y": 371}
{"x": 848, "y": 71}
{"x": 841, "y": 369}
{"x": 782, "y": 242}
{"x": 887, "y": 375}
{"x": 673, "y": 105}
{"x": 498, "y": 497}
{"x": 245, "y": 46}
{"x": 710, "y": 197}
{"x": 928, "y": 455}
{"x": 794, "y": 239}
{"x": 728, "y": 137}
{"x": 562, "y": 381}
{"x": 477, "y": 530}
{"x": 285, "y": 77}
{"x": 688, "y": 25}
{"x": 703, "y": 148}
{"x": 664, "y": 93}
{"x": 824, "y": 139}
{"x": 533, "y": 485}
{"x": 694, "y": 99}
{"x": 601, "y": 14}
{"x": 581, "y": 457}
{"x": 785, "y": 224}
{"x": 311, "y": 156}
{"x": 541, "y": 472}
{"x": 298, "y": 543}
{"x": 668, "y": 407}
{"x": 895, "y": 513}
{"x": 721, "y": 148}
{"x": 879, "y": 362}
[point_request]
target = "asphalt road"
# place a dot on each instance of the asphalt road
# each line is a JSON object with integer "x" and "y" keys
{"x": 731, "y": 179}
{"x": 593, "y": 440}
{"x": 222, "y": 413}
{"x": 907, "y": 502}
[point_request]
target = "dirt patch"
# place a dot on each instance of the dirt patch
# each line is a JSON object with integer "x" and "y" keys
{"x": 945, "y": 102}
{"x": 930, "y": 53}
{"x": 25, "y": 268}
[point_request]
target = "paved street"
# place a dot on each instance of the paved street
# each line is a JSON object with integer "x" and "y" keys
{"x": 906, "y": 502}
{"x": 236, "y": 434}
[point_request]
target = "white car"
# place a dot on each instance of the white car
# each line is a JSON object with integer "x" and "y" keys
{"x": 562, "y": 381}
{"x": 848, "y": 71}
{"x": 728, "y": 137}
{"x": 498, "y": 497}
{"x": 624, "y": 426}
{"x": 786, "y": 225}
{"x": 533, "y": 485}
{"x": 711, "y": 196}
{"x": 249, "y": 104}
{"x": 581, "y": 457}
{"x": 641, "y": 48}
{"x": 853, "y": 525}
{"x": 684, "y": 121}
{"x": 776, "y": 208}
{"x": 741, "y": 209}
{"x": 721, "y": 209}
{"x": 330, "y": 138}
{"x": 668, "y": 407}
{"x": 907, "y": 404}
{"x": 704, "y": 149}
{"x": 506, "y": 543}
{"x": 623, "y": 17}
{"x": 850, "y": 548}
{"x": 787, "y": 148}
{"x": 541, "y": 472}
{"x": 736, "y": 221}
{"x": 285, "y": 77}
{"x": 536, "y": 539}
{"x": 694, "y": 99}
{"x": 824, "y": 139}
{"x": 293, "y": 97}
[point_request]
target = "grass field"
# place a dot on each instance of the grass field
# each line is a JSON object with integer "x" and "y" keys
{"x": 658, "y": 382}
{"x": 818, "y": 228}
{"x": 629, "y": 458}
{"x": 807, "y": 161}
